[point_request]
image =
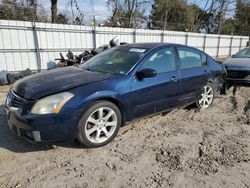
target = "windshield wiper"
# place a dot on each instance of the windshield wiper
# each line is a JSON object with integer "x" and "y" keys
{"x": 92, "y": 70}
{"x": 88, "y": 69}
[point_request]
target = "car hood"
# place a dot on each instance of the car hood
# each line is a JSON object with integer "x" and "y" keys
{"x": 56, "y": 80}
{"x": 237, "y": 63}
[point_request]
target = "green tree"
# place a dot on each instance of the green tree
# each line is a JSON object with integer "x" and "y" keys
{"x": 228, "y": 27}
{"x": 25, "y": 10}
{"x": 195, "y": 18}
{"x": 176, "y": 15}
{"x": 242, "y": 18}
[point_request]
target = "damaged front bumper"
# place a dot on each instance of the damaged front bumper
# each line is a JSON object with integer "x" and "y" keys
{"x": 53, "y": 128}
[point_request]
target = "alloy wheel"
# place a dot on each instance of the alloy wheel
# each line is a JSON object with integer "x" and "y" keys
{"x": 101, "y": 125}
{"x": 206, "y": 97}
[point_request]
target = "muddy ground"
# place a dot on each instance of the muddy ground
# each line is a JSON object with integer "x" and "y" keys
{"x": 185, "y": 148}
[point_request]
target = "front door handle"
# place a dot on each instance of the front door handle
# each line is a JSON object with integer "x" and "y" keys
{"x": 174, "y": 78}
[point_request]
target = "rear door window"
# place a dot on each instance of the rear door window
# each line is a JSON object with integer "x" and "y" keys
{"x": 189, "y": 58}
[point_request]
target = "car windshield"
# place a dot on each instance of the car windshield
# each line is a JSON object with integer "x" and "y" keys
{"x": 119, "y": 60}
{"x": 245, "y": 53}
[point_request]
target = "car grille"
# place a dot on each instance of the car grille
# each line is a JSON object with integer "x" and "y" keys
{"x": 14, "y": 100}
{"x": 237, "y": 74}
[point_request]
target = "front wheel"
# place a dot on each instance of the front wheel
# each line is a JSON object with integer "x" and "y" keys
{"x": 99, "y": 124}
{"x": 207, "y": 97}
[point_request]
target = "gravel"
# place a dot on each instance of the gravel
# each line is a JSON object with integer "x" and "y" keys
{"x": 184, "y": 148}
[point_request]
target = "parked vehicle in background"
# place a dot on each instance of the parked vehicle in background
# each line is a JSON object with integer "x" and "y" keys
{"x": 92, "y": 101}
{"x": 238, "y": 68}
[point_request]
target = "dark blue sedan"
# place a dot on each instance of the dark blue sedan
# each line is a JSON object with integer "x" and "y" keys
{"x": 91, "y": 102}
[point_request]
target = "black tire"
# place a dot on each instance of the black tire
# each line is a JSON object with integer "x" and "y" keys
{"x": 82, "y": 136}
{"x": 198, "y": 103}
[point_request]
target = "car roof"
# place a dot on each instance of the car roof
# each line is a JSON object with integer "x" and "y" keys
{"x": 148, "y": 45}
{"x": 151, "y": 45}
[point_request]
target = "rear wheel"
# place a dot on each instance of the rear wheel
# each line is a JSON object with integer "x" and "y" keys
{"x": 99, "y": 124}
{"x": 207, "y": 97}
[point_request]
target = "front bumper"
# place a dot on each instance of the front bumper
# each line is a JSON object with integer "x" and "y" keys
{"x": 53, "y": 128}
{"x": 238, "y": 77}
{"x": 238, "y": 82}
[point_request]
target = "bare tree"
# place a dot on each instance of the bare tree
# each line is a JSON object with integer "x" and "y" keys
{"x": 223, "y": 7}
{"x": 115, "y": 8}
{"x": 126, "y": 12}
{"x": 78, "y": 17}
{"x": 217, "y": 10}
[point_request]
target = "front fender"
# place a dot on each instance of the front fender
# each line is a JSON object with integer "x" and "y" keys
{"x": 121, "y": 100}
{"x": 102, "y": 94}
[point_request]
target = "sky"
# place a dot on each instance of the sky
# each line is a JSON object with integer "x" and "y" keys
{"x": 88, "y": 7}
{"x": 95, "y": 7}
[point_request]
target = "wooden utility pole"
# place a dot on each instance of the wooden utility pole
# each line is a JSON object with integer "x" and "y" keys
{"x": 165, "y": 21}
{"x": 166, "y": 16}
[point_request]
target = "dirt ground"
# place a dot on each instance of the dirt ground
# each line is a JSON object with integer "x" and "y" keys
{"x": 185, "y": 148}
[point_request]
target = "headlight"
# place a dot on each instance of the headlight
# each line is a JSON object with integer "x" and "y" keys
{"x": 51, "y": 104}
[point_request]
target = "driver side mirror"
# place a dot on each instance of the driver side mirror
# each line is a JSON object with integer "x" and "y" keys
{"x": 146, "y": 73}
{"x": 233, "y": 56}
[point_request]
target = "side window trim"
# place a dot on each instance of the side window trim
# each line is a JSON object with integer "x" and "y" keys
{"x": 205, "y": 63}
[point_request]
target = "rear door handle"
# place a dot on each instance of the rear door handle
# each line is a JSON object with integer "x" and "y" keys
{"x": 205, "y": 72}
{"x": 174, "y": 78}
